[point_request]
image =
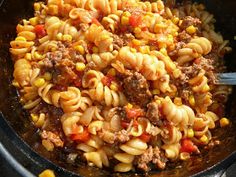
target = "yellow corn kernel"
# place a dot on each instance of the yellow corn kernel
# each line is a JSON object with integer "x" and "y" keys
{"x": 136, "y": 42}
{"x": 28, "y": 56}
{"x": 206, "y": 88}
{"x": 20, "y": 38}
{"x": 155, "y": 92}
{"x": 191, "y": 29}
{"x": 137, "y": 30}
{"x": 111, "y": 72}
{"x": 204, "y": 139}
{"x": 67, "y": 37}
{"x": 190, "y": 133}
{"x": 175, "y": 20}
{"x": 15, "y": 83}
{"x": 47, "y": 173}
{"x": 37, "y": 6}
{"x": 34, "y": 117}
{"x": 129, "y": 106}
{"x": 170, "y": 38}
{"x": 224, "y": 122}
{"x": 184, "y": 156}
{"x": 80, "y": 49}
{"x": 39, "y": 82}
{"x": 149, "y": 14}
{"x": 133, "y": 50}
{"x": 80, "y": 66}
{"x": 95, "y": 49}
{"x": 43, "y": 12}
{"x": 176, "y": 73}
{"x": 114, "y": 87}
{"x": 33, "y": 21}
{"x": 37, "y": 56}
{"x": 124, "y": 20}
{"x": 41, "y": 63}
{"x": 145, "y": 49}
{"x": 48, "y": 145}
{"x": 53, "y": 9}
{"x": 59, "y": 36}
{"x": 191, "y": 100}
{"x": 127, "y": 14}
{"x": 178, "y": 101}
{"x": 47, "y": 76}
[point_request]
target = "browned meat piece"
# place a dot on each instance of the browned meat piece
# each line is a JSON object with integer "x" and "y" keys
{"x": 107, "y": 136}
{"x": 159, "y": 158}
{"x": 117, "y": 42}
{"x": 52, "y": 137}
{"x": 188, "y": 21}
{"x": 136, "y": 89}
{"x": 184, "y": 37}
{"x": 153, "y": 113}
{"x": 145, "y": 158}
{"x": 122, "y": 136}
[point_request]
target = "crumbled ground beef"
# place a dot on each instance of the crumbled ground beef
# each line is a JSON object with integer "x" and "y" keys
{"x": 153, "y": 113}
{"x": 184, "y": 37}
{"x": 117, "y": 42}
{"x": 136, "y": 89}
{"x": 122, "y": 136}
{"x": 53, "y": 137}
{"x": 188, "y": 21}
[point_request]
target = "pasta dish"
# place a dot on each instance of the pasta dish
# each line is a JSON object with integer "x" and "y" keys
{"x": 126, "y": 84}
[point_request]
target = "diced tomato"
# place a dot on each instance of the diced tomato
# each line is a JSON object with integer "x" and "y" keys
{"x": 106, "y": 80}
{"x": 96, "y": 22}
{"x": 188, "y": 146}
{"x": 90, "y": 48}
{"x": 124, "y": 124}
{"x": 133, "y": 113}
{"x": 40, "y": 31}
{"x": 81, "y": 136}
{"x": 135, "y": 20}
{"x": 78, "y": 82}
{"x": 135, "y": 123}
{"x": 60, "y": 87}
{"x": 76, "y": 22}
{"x": 145, "y": 137}
{"x": 145, "y": 28}
{"x": 197, "y": 61}
{"x": 124, "y": 29}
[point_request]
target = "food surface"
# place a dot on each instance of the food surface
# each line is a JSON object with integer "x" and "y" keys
{"x": 126, "y": 84}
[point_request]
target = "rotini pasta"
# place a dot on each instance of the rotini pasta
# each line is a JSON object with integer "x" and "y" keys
{"x": 123, "y": 83}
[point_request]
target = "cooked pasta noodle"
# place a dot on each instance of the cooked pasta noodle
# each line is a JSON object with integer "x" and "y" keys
{"x": 123, "y": 83}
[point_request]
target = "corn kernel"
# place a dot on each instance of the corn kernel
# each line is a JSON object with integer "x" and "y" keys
{"x": 163, "y": 51}
{"x": 175, "y": 20}
{"x": 39, "y": 82}
{"x": 104, "y": 37}
{"x": 49, "y": 146}
{"x": 33, "y": 21}
{"x": 137, "y": 30}
{"x": 129, "y": 106}
{"x": 176, "y": 73}
{"x": 224, "y": 122}
{"x": 53, "y": 9}
{"x": 37, "y": 55}
{"x": 43, "y": 12}
{"x": 15, "y": 83}
{"x": 155, "y": 92}
{"x": 111, "y": 72}
{"x": 80, "y": 49}
{"x": 20, "y": 38}
{"x": 67, "y": 37}
{"x": 47, "y": 76}
{"x": 178, "y": 101}
{"x": 28, "y": 56}
{"x": 47, "y": 173}
{"x": 127, "y": 14}
{"x": 191, "y": 100}
{"x": 59, "y": 36}
{"x": 133, "y": 50}
{"x": 145, "y": 49}
{"x": 124, "y": 20}
{"x": 191, "y": 29}
{"x": 37, "y": 6}
{"x": 95, "y": 50}
{"x": 114, "y": 87}
{"x": 34, "y": 117}
{"x": 204, "y": 139}
{"x": 40, "y": 63}
{"x": 206, "y": 88}
{"x": 170, "y": 38}
{"x": 184, "y": 156}
{"x": 80, "y": 66}
{"x": 190, "y": 133}
{"x": 136, "y": 42}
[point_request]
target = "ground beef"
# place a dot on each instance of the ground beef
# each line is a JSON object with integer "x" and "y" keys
{"x": 53, "y": 137}
{"x": 117, "y": 42}
{"x": 188, "y": 21}
{"x": 184, "y": 37}
{"x": 153, "y": 113}
{"x": 174, "y": 52}
{"x": 153, "y": 155}
{"x": 122, "y": 136}
{"x": 136, "y": 89}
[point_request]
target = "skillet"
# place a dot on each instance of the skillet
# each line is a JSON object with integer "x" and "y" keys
{"x": 17, "y": 135}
